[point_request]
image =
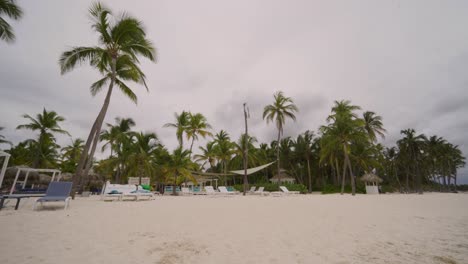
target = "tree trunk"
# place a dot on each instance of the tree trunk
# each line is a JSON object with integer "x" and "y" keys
{"x": 246, "y": 151}
{"x": 351, "y": 175}
{"x": 191, "y": 146}
{"x": 337, "y": 169}
{"x": 278, "y": 156}
{"x": 175, "y": 184}
{"x": 86, "y": 158}
{"x": 310, "y": 176}
{"x": 343, "y": 177}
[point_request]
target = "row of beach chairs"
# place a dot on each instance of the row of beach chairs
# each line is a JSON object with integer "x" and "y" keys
{"x": 223, "y": 190}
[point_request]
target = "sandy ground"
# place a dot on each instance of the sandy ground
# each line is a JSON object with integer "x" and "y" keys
{"x": 429, "y": 228}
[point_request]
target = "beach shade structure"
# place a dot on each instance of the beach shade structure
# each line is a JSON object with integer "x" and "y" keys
{"x": 56, "y": 192}
{"x": 372, "y": 183}
{"x": 282, "y": 177}
{"x": 55, "y": 176}
{"x": 5, "y": 157}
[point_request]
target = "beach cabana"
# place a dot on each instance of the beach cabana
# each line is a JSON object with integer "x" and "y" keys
{"x": 282, "y": 177}
{"x": 372, "y": 183}
{"x": 56, "y": 175}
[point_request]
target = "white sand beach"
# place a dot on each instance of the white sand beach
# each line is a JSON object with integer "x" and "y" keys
{"x": 429, "y": 228}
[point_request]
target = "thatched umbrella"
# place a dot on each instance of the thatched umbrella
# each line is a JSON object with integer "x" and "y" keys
{"x": 371, "y": 178}
{"x": 283, "y": 176}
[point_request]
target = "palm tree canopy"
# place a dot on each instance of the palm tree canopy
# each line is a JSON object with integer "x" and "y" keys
{"x": 46, "y": 123}
{"x": 12, "y": 11}
{"x": 373, "y": 125}
{"x": 122, "y": 39}
{"x": 282, "y": 108}
{"x": 181, "y": 125}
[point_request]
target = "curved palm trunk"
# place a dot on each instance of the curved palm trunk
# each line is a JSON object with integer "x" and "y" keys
{"x": 175, "y": 184}
{"x": 87, "y": 156}
{"x": 351, "y": 175}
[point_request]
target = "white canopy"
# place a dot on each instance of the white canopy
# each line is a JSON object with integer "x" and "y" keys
{"x": 252, "y": 170}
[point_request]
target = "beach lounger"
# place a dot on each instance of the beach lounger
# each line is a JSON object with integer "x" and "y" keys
{"x": 121, "y": 191}
{"x": 261, "y": 191}
{"x": 224, "y": 190}
{"x": 286, "y": 191}
{"x": 56, "y": 192}
{"x": 197, "y": 191}
{"x": 211, "y": 191}
{"x": 186, "y": 191}
{"x": 252, "y": 189}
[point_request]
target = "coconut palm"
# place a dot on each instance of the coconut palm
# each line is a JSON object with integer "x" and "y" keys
{"x": 71, "y": 155}
{"x": 278, "y": 112}
{"x": 116, "y": 133}
{"x": 208, "y": 155}
{"x": 48, "y": 124}
{"x": 344, "y": 129}
{"x": 141, "y": 161}
{"x": 303, "y": 148}
{"x": 412, "y": 146}
{"x": 10, "y": 9}
{"x": 224, "y": 149}
{"x": 122, "y": 40}
{"x": 373, "y": 125}
{"x": 197, "y": 126}
{"x": 181, "y": 125}
{"x": 179, "y": 166}
{"x": 2, "y": 138}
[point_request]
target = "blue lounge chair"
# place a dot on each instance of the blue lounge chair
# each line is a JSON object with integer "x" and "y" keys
{"x": 56, "y": 192}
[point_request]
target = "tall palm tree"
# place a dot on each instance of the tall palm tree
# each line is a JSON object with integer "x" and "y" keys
{"x": 208, "y": 155}
{"x": 373, "y": 125}
{"x": 345, "y": 129}
{"x": 122, "y": 40}
{"x": 12, "y": 11}
{"x": 115, "y": 133}
{"x": 181, "y": 124}
{"x": 2, "y": 138}
{"x": 47, "y": 123}
{"x": 412, "y": 146}
{"x": 278, "y": 112}
{"x": 303, "y": 147}
{"x": 197, "y": 126}
{"x": 141, "y": 157}
{"x": 178, "y": 165}
{"x": 71, "y": 155}
{"x": 224, "y": 149}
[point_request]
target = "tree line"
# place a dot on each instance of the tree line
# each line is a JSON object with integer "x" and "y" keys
{"x": 344, "y": 148}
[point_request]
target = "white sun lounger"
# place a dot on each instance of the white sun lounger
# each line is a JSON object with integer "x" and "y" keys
{"x": 211, "y": 191}
{"x": 261, "y": 191}
{"x": 224, "y": 190}
{"x": 124, "y": 190}
{"x": 286, "y": 191}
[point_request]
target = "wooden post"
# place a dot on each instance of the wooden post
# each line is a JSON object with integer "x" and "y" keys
{"x": 246, "y": 144}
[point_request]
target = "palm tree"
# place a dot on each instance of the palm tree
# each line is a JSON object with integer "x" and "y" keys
{"x": 141, "y": 157}
{"x": 2, "y": 138}
{"x": 412, "y": 146}
{"x": 115, "y": 133}
{"x": 46, "y": 123}
{"x": 281, "y": 109}
{"x": 178, "y": 165}
{"x": 181, "y": 124}
{"x": 12, "y": 11}
{"x": 303, "y": 147}
{"x": 197, "y": 125}
{"x": 373, "y": 125}
{"x": 345, "y": 129}
{"x": 71, "y": 155}
{"x": 224, "y": 150}
{"x": 208, "y": 155}
{"x": 122, "y": 39}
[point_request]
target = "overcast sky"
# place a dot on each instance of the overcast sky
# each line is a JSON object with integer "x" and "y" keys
{"x": 405, "y": 60}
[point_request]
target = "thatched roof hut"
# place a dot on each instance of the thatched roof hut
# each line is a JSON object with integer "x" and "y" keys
{"x": 371, "y": 178}
{"x": 283, "y": 176}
